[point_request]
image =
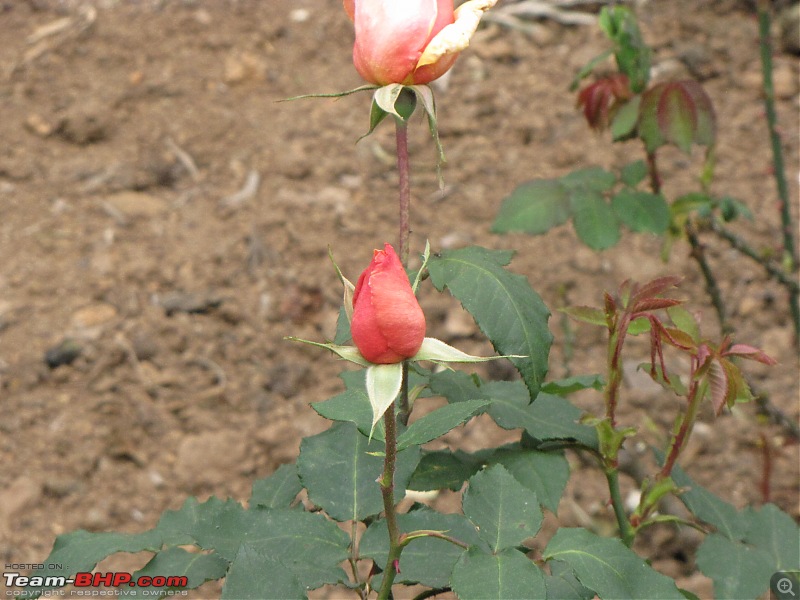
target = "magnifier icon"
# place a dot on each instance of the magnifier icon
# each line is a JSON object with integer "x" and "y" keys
{"x": 784, "y": 586}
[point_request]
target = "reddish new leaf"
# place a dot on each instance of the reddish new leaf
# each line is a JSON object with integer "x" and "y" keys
{"x": 676, "y": 337}
{"x": 718, "y": 386}
{"x": 656, "y": 349}
{"x": 656, "y": 287}
{"x": 739, "y": 390}
{"x": 610, "y": 304}
{"x": 751, "y": 353}
{"x": 647, "y": 304}
{"x": 586, "y": 314}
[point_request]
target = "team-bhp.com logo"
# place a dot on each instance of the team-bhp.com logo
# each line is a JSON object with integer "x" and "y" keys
{"x": 87, "y": 584}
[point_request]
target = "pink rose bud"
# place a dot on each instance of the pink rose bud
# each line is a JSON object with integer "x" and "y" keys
{"x": 399, "y": 41}
{"x": 388, "y": 325}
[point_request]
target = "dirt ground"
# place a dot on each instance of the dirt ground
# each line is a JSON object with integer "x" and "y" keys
{"x": 165, "y": 219}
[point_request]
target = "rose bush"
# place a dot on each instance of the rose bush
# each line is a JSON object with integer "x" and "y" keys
{"x": 410, "y": 42}
{"x": 388, "y": 325}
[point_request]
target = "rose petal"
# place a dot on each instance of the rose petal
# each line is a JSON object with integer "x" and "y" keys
{"x": 455, "y": 37}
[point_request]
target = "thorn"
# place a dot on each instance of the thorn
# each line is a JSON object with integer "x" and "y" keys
{"x": 396, "y": 565}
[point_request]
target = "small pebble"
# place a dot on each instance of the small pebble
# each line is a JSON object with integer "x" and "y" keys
{"x": 64, "y": 353}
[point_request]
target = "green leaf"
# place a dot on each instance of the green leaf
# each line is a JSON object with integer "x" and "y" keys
{"x": 649, "y": 131}
{"x": 731, "y": 209}
{"x": 293, "y": 536}
{"x": 257, "y": 575}
{"x": 278, "y": 490}
{"x": 685, "y": 321}
{"x": 738, "y": 570}
{"x": 383, "y": 385}
{"x": 503, "y": 305}
{"x": 677, "y": 116}
{"x": 508, "y": 575}
{"x": 428, "y": 561}
{"x": 342, "y": 336}
{"x": 556, "y": 418}
{"x": 562, "y": 387}
{"x": 534, "y": 207}
{"x": 775, "y": 532}
{"x": 218, "y": 525}
{"x": 624, "y": 122}
{"x": 175, "y": 526}
{"x": 545, "y": 473}
{"x": 339, "y": 469}
{"x": 634, "y": 173}
{"x": 511, "y": 405}
{"x": 608, "y": 567}
{"x": 442, "y": 469}
{"x": 351, "y": 405}
{"x": 563, "y": 585}
{"x": 707, "y": 507}
{"x": 81, "y": 551}
{"x": 642, "y": 211}
{"x": 439, "y": 422}
{"x": 175, "y": 561}
{"x": 594, "y": 220}
{"x": 505, "y": 511}
{"x": 587, "y": 69}
{"x": 630, "y": 50}
{"x": 549, "y": 417}
{"x": 595, "y": 179}
{"x": 638, "y": 326}
{"x": 693, "y": 201}
{"x": 586, "y": 314}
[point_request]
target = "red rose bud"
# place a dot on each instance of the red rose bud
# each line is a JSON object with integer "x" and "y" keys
{"x": 602, "y": 99}
{"x": 388, "y": 325}
{"x": 399, "y": 41}
{"x": 677, "y": 112}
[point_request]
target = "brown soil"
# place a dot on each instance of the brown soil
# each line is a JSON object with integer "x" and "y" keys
{"x": 128, "y": 130}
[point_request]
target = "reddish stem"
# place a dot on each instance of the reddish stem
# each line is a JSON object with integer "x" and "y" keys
{"x": 687, "y": 423}
{"x": 401, "y": 136}
{"x": 766, "y": 475}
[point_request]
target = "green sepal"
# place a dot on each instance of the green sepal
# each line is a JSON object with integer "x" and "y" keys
{"x": 426, "y": 255}
{"x": 390, "y": 99}
{"x": 350, "y": 353}
{"x": 425, "y": 96}
{"x": 362, "y": 88}
{"x": 349, "y": 288}
{"x": 383, "y": 385}
{"x": 437, "y": 351}
{"x": 376, "y": 117}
